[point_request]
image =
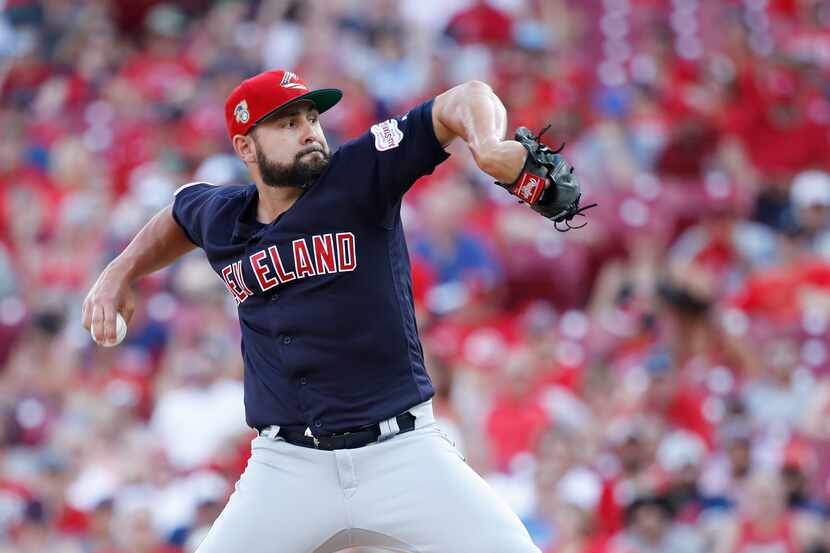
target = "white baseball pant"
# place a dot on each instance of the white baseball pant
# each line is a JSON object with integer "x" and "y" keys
{"x": 411, "y": 493}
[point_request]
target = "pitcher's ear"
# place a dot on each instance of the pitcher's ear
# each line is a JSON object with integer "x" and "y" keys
{"x": 245, "y": 147}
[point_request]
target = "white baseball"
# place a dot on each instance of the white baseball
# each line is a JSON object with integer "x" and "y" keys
{"x": 120, "y": 332}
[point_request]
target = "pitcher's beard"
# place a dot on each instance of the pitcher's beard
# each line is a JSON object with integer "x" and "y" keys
{"x": 301, "y": 173}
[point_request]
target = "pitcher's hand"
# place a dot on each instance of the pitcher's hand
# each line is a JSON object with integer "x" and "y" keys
{"x": 110, "y": 294}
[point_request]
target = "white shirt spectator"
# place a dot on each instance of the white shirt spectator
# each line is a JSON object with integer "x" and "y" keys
{"x": 193, "y": 422}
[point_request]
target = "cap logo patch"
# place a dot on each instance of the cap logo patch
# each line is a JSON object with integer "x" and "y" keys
{"x": 240, "y": 112}
{"x": 387, "y": 135}
{"x": 286, "y": 81}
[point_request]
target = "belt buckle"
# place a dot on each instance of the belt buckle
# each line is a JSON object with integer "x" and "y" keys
{"x": 308, "y": 434}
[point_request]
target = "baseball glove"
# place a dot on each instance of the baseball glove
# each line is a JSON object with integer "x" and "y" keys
{"x": 547, "y": 183}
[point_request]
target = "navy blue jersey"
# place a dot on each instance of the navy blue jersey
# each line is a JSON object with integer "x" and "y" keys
{"x": 324, "y": 292}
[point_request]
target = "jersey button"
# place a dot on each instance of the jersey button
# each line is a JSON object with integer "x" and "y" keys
{"x": 303, "y": 381}
{"x": 286, "y": 340}
{"x": 317, "y": 424}
{"x": 274, "y": 297}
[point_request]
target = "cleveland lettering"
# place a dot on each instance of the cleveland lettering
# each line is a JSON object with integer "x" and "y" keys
{"x": 321, "y": 254}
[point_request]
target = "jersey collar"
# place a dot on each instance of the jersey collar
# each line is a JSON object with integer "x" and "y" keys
{"x": 246, "y": 224}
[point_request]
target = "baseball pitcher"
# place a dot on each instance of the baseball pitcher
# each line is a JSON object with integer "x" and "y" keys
{"x": 347, "y": 451}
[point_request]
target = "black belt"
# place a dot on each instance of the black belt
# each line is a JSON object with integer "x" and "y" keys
{"x": 346, "y": 440}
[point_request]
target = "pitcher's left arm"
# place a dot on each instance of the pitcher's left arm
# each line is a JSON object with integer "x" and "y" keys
{"x": 526, "y": 167}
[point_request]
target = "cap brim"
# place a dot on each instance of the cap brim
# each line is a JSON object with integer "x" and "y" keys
{"x": 323, "y": 99}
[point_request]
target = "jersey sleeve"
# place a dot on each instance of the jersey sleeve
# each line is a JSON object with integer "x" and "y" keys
{"x": 391, "y": 156}
{"x": 192, "y": 209}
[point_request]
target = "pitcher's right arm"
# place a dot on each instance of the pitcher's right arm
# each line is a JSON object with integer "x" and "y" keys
{"x": 160, "y": 242}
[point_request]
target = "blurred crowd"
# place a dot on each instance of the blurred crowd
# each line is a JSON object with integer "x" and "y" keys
{"x": 655, "y": 382}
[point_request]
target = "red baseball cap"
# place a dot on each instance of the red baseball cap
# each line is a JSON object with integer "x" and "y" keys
{"x": 260, "y": 96}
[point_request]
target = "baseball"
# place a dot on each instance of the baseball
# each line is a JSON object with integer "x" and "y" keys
{"x": 120, "y": 332}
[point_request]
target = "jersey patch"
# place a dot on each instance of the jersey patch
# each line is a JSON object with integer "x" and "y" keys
{"x": 387, "y": 135}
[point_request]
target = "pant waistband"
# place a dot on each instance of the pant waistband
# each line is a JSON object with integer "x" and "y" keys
{"x": 417, "y": 417}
